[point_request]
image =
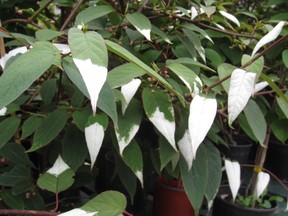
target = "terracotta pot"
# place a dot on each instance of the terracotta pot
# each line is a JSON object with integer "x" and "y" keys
{"x": 170, "y": 199}
{"x": 222, "y": 207}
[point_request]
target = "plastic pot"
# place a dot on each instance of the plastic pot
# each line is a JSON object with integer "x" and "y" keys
{"x": 222, "y": 207}
{"x": 170, "y": 199}
{"x": 276, "y": 160}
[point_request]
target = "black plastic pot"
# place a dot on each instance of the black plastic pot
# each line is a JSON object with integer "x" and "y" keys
{"x": 222, "y": 207}
{"x": 277, "y": 160}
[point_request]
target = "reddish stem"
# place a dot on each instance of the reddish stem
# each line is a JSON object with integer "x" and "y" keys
{"x": 127, "y": 213}
{"x": 26, "y": 212}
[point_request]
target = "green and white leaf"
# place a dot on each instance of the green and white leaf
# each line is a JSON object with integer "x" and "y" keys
{"x": 123, "y": 74}
{"x": 10, "y": 54}
{"x": 230, "y": 17}
{"x": 196, "y": 12}
{"x": 256, "y": 120}
{"x": 186, "y": 149}
{"x": 201, "y": 116}
{"x": 233, "y": 173}
{"x": 58, "y": 178}
{"x": 158, "y": 108}
{"x": 241, "y": 88}
{"x": 161, "y": 34}
{"x": 259, "y": 86}
{"x": 94, "y": 135}
{"x": 128, "y": 125}
{"x": 128, "y": 90}
{"x": 188, "y": 77}
{"x": 141, "y": 23}
{"x": 90, "y": 55}
{"x": 78, "y": 212}
{"x": 272, "y": 35}
{"x": 255, "y": 67}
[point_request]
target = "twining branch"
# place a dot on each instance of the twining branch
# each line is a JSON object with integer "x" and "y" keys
{"x": 71, "y": 15}
{"x": 26, "y": 212}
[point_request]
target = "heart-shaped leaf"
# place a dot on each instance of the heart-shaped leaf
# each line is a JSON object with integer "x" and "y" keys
{"x": 233, "y": 173}
{"x": 261, "y": 183}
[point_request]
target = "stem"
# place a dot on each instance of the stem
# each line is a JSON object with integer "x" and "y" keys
{"x": 56, "y": 202}
{"x": 269, "y": 92}
{"x": 23, "y": 21}
{"x": 207, "y": 89}
{"x": 127, "y": 213}
{"x": 71, "y": 15}
{"x": 40, "y": 10}
{"x": 26, "y": 212}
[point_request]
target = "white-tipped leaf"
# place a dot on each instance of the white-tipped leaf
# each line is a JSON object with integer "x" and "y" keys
{"x": 195, "y": 12}
{"x": 272, "y": 35}
{"x": 186, "y": 149}
{"x": 234, "y": 179}
{"x": 123, "y": 141}
{"x": 94, "y": 135}
{"x": 78, "y": 212}
{"x": 230, "y": 17}
{"x": 63, "y": 48}
{"x": 259, "y": 86}
{"x": 202, "y": 114}
{"x": 59, "y": 167}
{"x": 3, "y": 111}
{"x": 141, "y": 23}
{"x": 128, "y": 90}
{"x": 94, "y": 77}
{"x": 241, "y": 88}
{"x": 261, "y": 183}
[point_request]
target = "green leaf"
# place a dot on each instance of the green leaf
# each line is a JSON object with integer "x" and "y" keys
{"x": 56, "y": 184}
{"x": 132, "y": 156}
{"x": 74, "y": 149}
{"x": 285, "y": 57}
{"x": 279, "y": 129}
{"x": 128, "y": 124}
{"x": 214, "y": 171}
{"x": 141, "y": 23}
{"x": 25, "y": 70}
{"x": 8, "y": 128}
{"x": 225, "y": 70}
{"x": 161, "y": 34}
{"x": 47, "y": 34}
{"x": 214, "y": 57}
{"x": 17, "y": 175}
{"x": 15, "y": 153}
{"x": 274, "y": 87}
{"x": 166, "y": 152}
{"x": 11, "y": 200}
{"x": 80, "y": 118}
{"x": 195, "y": 181}
{"x": 245, "y": 126}
{"x": 58, "y": 178}
{"x": 256, "y": 67}
{"x": 256, "y": 120}
{"x": 108, "y": 203}
{"x": 92, "y": 13}
{"x": 30, "y": 125}
{"x": 123, "y": 74}
{"x": 48, "y": 90}
{"x": 283, "y": 105}
{"x": 49, "y": 129}
{"x": 190, "y": 79}
{"x": 122, "y": 52}
{"x": 188, "y": 61}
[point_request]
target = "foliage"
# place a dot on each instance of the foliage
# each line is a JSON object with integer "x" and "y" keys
{"x": 150, "y": 82}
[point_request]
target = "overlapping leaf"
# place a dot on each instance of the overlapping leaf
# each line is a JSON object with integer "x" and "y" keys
{"x": 141, "y": 23}
{"x": 233, "y": 174}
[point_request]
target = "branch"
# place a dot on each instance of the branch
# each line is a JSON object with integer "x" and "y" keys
{"x": 26, "y": 212}
{"x": 207, "y": 89}
{"x": 40, "y": 10}
{"x": 23, "y": 21}
{"x": 71, "y": 15}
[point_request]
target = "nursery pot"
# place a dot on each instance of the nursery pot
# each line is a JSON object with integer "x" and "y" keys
{"x": 222, "y": 207}
{"x": 170, "y": 199}
{"x": 276, "y": 160}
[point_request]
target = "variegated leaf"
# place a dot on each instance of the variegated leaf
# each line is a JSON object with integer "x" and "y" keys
{"x": 241, "y": 88}
{"x": 233, "y": 173}
{"x": 141, "y": 23}
{"x": 59, "y": 167}
{"x": 272, "y": 35}
{"x": 94, "y": 135}
{"x": 78, "y": 212}
{"x": 195, "y": 12}
{"x": 89, "y": 54}
{"x": 128, "y": 90}
{"x": 3, "y": 111}
{"x": 201, "y": 116}
{"x": 12, "y": 53}
{"x": 259, "y": 86}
